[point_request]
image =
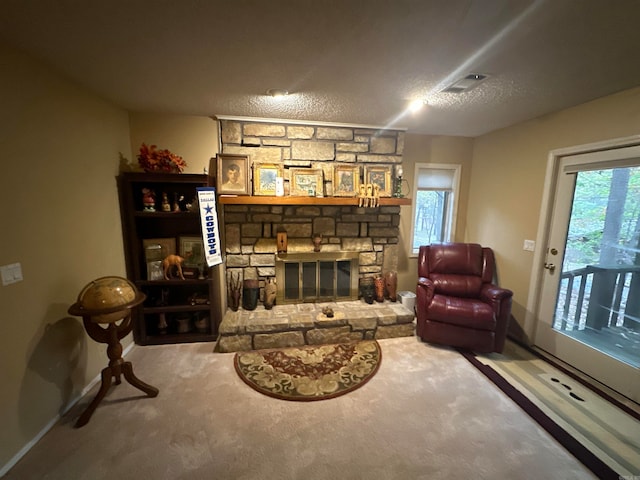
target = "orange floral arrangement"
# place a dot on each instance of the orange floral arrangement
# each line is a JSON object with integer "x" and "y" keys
{"x": 153, "y": 160}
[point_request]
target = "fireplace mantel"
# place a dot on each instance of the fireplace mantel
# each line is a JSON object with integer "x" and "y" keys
{"x": 289, "y": 200}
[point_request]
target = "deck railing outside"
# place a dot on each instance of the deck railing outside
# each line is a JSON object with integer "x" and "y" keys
{"x": 610, "y": 305}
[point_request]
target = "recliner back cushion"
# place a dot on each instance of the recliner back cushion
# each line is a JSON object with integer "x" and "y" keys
{"x": 456, "y": 269}
{"x": 466, "y": 286}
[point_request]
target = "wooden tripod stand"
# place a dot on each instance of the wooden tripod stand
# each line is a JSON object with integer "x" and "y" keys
{"x": 111, "y": 335}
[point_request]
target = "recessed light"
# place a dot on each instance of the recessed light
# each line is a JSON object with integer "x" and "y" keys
{"x": 277, "y": 92}
{"x": 417, "y": 104}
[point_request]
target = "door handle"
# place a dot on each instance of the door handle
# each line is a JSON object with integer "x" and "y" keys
{"x": 550, "y": 266}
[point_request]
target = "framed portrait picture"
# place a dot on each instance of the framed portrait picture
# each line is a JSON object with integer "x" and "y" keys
{"x": 379, "y": 175}
{"x": 192, "y": 250}
{"x": 346, "y": 180}
{"x": 264, "y": 178}
{"x": 306, "y": 182}
{"x": 233, "y": 174}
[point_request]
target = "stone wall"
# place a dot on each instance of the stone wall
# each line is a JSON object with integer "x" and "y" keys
{"x": 250, "y": 230}
{"x": 250, "y": 236}
{"x": 312, "y": 146}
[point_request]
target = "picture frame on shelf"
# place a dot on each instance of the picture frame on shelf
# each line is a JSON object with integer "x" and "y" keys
{"x": 192, "y": 250}
{"x": 379, "y": 175}
{"x": 346, "y": 180}
{"x": 167, "y": 244}
{"x": 232, "y": 174}
{"x": 264, "y": 178}
{"x": 155, "y": 251}
{"x": 306, "y": 182}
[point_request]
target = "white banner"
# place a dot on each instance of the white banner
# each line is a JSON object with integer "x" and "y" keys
{"x": 209, "y": 221}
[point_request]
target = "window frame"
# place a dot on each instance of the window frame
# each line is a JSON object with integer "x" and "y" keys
{"x": 451, "y": 212}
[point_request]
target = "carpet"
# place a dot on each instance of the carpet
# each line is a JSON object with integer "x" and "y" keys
{"x": 427, "y": 414}
{"x": 309, "y": 372}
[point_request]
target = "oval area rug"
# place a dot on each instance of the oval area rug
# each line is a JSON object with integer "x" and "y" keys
{"x": 309, "y": 372}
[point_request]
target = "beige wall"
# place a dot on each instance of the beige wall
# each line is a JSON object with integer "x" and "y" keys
{"x": 194, "y": 138}
{"x": 507, "y": 180}
{"x": 430, "y": 149}
{"x": 60, "y": 220}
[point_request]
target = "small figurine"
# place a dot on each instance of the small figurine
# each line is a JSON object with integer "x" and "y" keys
{"x": 176, "y": 206}
{"x": 376, "y": 195}
{"x": 328, "y": 312}
{"x": 317, "y": 242}
{"x": 148, "y": 200}
{"x": 369, "y": 201}
{"x": 165, "y": 203}
{"x": 182, "y": 203}
{"x": 168, "y": 265}
{"x": 362, "y": 197}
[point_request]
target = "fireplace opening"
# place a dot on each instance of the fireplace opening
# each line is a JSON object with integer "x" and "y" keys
{"x": 317, "y": 277}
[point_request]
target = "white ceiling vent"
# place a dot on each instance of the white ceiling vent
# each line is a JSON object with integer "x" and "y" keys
{"x": 466, "y": 83}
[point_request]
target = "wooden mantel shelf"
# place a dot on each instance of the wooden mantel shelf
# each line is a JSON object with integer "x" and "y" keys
{"x": 270, "y": 200}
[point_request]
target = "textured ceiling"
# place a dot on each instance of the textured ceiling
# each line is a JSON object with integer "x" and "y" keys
{"x": 346, "y": 61}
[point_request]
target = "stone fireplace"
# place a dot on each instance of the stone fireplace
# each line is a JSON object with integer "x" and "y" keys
{"x": 331, "y": 241}
{"x": 250, "y": 229}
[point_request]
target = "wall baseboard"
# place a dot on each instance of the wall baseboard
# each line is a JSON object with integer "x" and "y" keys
{"x": 29, "y": 445}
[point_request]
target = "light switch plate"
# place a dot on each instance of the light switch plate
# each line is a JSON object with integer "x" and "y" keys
{"x": 11, "y": 273}
{"x": 529, "y": 245}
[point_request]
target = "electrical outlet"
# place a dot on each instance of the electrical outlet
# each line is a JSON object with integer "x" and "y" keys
{"x": 529, "y": 245}
{"x": 11, "y": 273}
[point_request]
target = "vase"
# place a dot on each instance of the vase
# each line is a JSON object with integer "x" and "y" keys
{"x": 391, "y": 285}
{"x": 379, "y": 288}
{"x": 250, "y": 294}
{"x": 367, "y": 289}
{"x": 270, "y": 294}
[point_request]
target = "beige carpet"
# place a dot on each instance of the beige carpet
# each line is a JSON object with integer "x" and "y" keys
{"x": 426, "y": 414}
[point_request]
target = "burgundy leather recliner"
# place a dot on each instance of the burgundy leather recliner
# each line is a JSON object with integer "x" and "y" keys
{"x": 457, "y": 303}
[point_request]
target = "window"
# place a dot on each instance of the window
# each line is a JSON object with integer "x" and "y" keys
{"x": 434, "y": 208}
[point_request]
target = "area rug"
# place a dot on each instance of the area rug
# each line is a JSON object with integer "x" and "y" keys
{"x": 309, "y": 372}
{"x": 588, "y": 458}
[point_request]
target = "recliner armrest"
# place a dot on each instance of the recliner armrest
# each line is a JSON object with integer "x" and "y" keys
{"x": 426, "y": 290}
{"x": 491, "y": 292}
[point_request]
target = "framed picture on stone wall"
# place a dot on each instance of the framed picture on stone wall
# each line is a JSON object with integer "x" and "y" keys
{"x": 379, "y": 175}
{"x": 233, "y": 174}
{"x": 264, "y": 178}
{"x": 346, "y": 180}
{"x": 306, "y": 182}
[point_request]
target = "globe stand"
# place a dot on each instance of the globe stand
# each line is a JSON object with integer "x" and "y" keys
{"x": 111, "y": 335}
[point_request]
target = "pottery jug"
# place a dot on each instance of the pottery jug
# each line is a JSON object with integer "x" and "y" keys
{"x": 391, "y": 285}
{"x": 367, "y": 289}
{"x": 379, "y": 287}
{"x": 250, "y": 294}
{"x": 270, "y": 294}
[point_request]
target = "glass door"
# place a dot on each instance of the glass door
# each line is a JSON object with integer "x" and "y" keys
{"x": 589, "y": 315}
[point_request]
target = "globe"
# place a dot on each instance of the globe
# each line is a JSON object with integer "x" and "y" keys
{"x": 107, "y": 299}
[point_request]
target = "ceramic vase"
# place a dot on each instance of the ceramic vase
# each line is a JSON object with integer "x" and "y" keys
{"x": 250, "y": 294}
{"x": 391, "y": 285}
{"x": 379, "y": 288}
{"x": 270, "y": 294}
{"x": 234, "y": 291}
{"x": 367, "y": 289}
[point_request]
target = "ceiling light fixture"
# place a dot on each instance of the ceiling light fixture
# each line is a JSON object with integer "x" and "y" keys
{"x": 466, "y": 83}
{"x": 277, "y": 92}
{"x": 417, "y": 104}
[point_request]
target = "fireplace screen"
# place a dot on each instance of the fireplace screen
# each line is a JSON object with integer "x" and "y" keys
{"x": 317, "y": 277}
